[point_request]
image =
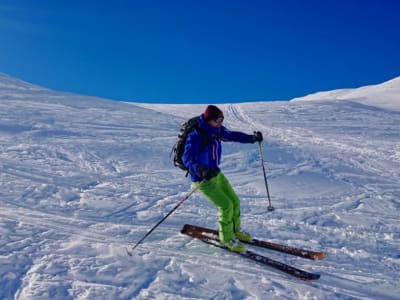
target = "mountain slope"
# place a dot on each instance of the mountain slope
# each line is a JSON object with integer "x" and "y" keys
{"x": 82, "y": 178}
{"x": 384, "y": 95}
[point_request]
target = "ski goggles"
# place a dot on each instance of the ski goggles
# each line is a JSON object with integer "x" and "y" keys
{"x": 219, "y": 120}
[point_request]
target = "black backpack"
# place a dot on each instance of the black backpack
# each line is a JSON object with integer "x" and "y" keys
{"x": 179, "y": 147}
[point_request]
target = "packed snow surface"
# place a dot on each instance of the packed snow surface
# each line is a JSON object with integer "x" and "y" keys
{"x": 82, "y": 179}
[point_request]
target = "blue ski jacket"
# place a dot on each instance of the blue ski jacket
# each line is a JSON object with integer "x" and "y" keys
{"x": 195, "y": 159}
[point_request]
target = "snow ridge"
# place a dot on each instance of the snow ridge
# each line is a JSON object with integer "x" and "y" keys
{"x": 384, "y": 95}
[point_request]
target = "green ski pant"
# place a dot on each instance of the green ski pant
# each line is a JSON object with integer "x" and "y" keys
{"x": 219, "y": 191}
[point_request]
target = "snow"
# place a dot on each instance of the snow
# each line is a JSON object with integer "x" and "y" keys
{"x": 384, "y": 95}
{"x": 84, "y": 178}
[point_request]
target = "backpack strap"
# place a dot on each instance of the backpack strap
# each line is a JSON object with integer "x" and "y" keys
{"x": 205, "y": 140}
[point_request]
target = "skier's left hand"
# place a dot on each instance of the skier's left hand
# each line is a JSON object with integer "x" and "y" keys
{"x": 257, "y": 137}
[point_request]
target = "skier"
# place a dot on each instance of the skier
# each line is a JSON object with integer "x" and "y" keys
{"x": 202, "y": 157}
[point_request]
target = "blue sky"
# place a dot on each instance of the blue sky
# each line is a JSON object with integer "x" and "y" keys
{"x": 200, "y": 51}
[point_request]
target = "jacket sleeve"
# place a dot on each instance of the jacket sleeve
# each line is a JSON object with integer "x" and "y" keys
{"x": 236, "y": 136}
{"x": 191, "y": 153}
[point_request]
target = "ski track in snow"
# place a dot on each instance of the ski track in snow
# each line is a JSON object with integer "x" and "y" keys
{"x": 83, "y": 179}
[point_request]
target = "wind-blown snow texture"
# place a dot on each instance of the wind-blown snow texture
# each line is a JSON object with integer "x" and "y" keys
{"x": 84, "y": 178}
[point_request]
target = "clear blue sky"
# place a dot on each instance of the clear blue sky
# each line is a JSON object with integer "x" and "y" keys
{"x": 200, "y": 51}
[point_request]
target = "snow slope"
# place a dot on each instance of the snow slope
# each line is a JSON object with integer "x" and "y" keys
{"x": 384, "y": 95}
{"x": 82, "y": 178}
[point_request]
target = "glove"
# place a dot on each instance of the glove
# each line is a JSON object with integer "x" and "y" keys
{"x": 257, "y": 137}
{"x": 207, "y": 173}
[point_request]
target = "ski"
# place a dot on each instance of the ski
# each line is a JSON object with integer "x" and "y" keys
{"x": 264, "y": 244}
{"x": 290, "y": 270}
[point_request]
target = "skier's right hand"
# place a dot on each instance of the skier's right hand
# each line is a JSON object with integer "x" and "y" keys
{"x": 207, "y": 173}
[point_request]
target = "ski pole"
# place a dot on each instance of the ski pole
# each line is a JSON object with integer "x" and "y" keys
{"x": 270, "y": 207}
{"x": 166, "y": 216}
